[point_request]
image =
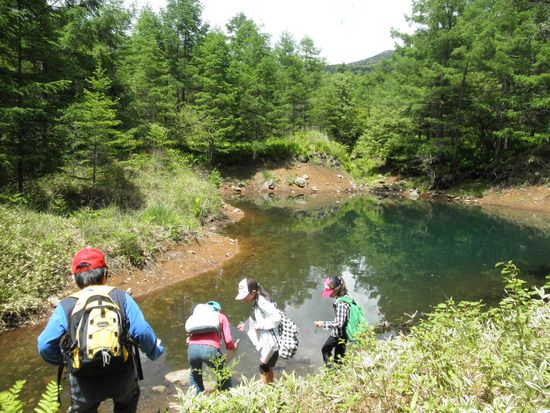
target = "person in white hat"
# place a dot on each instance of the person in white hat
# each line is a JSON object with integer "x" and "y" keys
{"x": 265, "y": 320}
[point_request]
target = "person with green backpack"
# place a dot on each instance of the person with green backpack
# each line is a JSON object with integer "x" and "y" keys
{"x": 348, "y": 320}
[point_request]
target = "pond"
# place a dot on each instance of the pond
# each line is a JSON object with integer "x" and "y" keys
{"x": 397, "y": 257}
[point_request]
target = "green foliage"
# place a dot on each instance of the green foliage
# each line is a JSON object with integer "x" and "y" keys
{"x": 36, "y": 249}
{"x": 460, "y": 358}
{"x": 276, "y": 149}
{"x": 10, "y": 401}
{"x": 48, "y": 402}
{"x": 335, "y": 109}
{"x": 387, "y": 140}
{"x": 90, "y": 126}
{"x": 215, "y": 178}
{"x": 145, "y": 72}
{"x": 72, "y": 189}
{"x": 255, "y": 75}
{"x": 182, "y": 31}
{"x": 37, "y": 246}
{"x": 30, "y": 92}
{"x": 464, "y": 97}
{"x": 317, "y": 147}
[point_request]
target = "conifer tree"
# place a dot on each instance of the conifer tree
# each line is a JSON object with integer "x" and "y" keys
{"x": 293, "y": 82}
{"x": 183, "y": 30}
{"x": 91, "y": 126}
{"x": 151, "y": 90}
{"x": 215, "y": 95}
{"x": 335, "y": 109}
{"x": 29, "y": 88}
{"x": 256, "y": 76}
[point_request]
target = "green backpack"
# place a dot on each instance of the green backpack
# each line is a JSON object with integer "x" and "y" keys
{"x": 357, "y": 321}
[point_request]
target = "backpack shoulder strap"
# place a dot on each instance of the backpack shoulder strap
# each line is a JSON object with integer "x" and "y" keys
{"x": 119, "y": 298}
{"x": 68, "y": 304}
{"x": 346, "y": 299}
{"x": 83, "y": 295}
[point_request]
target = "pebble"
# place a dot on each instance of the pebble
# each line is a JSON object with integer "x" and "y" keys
{"x": 159, "y": 389}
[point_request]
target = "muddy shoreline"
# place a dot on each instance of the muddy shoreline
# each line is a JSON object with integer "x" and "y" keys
{"x": 198, "y": 255}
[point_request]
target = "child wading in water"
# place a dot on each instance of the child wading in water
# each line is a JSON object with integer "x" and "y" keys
{"x": 265, "y": 322}
{"x": 335, "y": 287}
{"x": 205, "y": 348}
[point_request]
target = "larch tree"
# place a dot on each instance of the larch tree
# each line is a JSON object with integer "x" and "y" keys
{"x": 29, "y": 88}
{"x": 256, "y": 75}
{"x": 215, "y": 94}
{"x": 293, "y": 82}
{"x": 91, "y": 126}
{"x": 145, "y": 73}
{"x": 183, "y": 30}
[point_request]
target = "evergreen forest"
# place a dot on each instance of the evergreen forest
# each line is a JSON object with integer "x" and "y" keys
{"x": 115, "y": 123}
{"x": 88, "y": 84}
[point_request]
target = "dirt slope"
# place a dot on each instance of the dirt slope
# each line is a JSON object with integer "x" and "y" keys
{"x": 533, "y": 198}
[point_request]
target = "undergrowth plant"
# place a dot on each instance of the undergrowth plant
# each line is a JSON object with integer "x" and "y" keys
{"x": 10, "y": 400}
{"x": 461, "y": 357}
{"x": 37, "y": 245}
{"x": 317, "y": 147}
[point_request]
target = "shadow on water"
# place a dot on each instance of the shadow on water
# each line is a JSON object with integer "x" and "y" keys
{"x": 396, "y": 256}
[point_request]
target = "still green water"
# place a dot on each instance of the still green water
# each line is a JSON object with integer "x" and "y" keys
{"x": 396, "y": 257}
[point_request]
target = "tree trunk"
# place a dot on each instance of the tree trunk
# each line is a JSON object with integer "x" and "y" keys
{"x": 94, "y": 167}
{"x": 210, "y": 151}
{"x": 459, "y": 119}
{"x": 20, "y": 135}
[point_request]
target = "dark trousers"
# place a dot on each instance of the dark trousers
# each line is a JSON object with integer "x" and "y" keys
{"x": 87, "y": 393}
{"x": 338, "y": 344}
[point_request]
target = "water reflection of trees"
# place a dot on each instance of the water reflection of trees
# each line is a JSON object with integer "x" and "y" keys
{"x": 413, "y": 253}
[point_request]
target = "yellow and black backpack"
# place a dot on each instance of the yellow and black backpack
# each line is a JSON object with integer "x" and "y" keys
{"x": 98, "y": 340}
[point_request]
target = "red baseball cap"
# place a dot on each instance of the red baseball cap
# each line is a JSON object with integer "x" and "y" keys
{"x": 88, "y": 259}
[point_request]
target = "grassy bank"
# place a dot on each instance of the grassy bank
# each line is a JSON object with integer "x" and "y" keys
{"x": 461, "y": 358}
{"x": 161, "y": 202}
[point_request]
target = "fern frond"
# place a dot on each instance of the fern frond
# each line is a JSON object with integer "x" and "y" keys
{"x": 9, "y": 399}
{"x": 48, "y": 401}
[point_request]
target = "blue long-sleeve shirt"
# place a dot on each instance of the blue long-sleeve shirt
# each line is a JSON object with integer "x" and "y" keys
{"x": 58, "y": 325}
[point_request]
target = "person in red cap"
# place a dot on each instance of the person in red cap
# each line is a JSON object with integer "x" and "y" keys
{"x": 114, "y": 376}
{"x": 335, "y": 287}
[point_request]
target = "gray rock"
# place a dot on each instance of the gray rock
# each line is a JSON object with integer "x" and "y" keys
{"x": 269, "y": 184}
{"x": 181, "y": 376}
{"x": 413, "y": 194}
{"x": 301, "y": 182}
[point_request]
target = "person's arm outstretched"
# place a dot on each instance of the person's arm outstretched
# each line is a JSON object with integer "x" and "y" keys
{"x": 141, "y": 331}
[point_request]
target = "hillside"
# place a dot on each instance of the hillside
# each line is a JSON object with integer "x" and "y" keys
{"x": 362, "y": 66}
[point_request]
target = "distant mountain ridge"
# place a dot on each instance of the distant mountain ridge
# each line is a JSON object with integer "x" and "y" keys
{"x": 386, "y": 55}
{"x": 363, "y": 65}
